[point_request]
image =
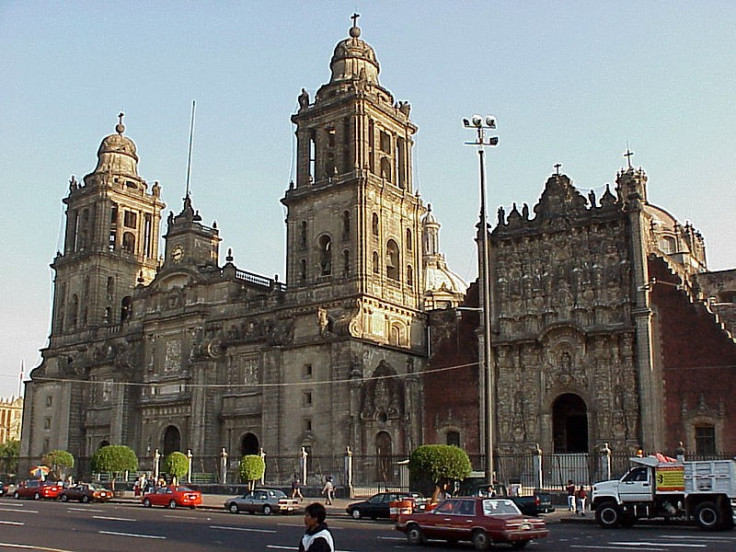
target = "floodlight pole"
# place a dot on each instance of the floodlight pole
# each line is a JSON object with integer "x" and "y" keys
{"x": 488, "y": 402}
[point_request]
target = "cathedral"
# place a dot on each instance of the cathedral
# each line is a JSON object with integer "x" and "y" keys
{"x": 180, "y": 351}
{"x": 607, "y": 329}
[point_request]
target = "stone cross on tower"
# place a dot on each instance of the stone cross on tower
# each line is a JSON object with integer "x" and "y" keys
{"x": 557, "y": 168}
{"x": 628, "y": 155}
{"x": 355, "y": 17}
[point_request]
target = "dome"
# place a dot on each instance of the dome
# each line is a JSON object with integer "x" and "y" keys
{"x": 354, "y": 59}
{"x": 117, "y": 153}
{"x": 439, "y": 278}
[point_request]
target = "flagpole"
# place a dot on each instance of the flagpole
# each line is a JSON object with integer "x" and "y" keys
{"x": 20, "y": 382}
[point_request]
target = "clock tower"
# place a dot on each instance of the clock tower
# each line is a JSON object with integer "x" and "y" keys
{"x": 188, "y": 241}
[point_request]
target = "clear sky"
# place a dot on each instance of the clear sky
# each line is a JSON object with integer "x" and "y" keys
{"x": 569, "y": 81}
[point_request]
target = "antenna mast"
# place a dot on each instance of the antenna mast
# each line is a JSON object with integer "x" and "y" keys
{"x": 189, "y": 157}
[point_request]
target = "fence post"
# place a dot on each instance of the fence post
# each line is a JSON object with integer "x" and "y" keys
{"x": 223, "y": 466}
{"x": 303, "y": 464}
{"x": 189, "y": 465}
{"x": 156, "y": 459}
{"x": 605, "y": 461}
{"x": 537, "y": 460}
{"x": 349, "y": 471}
{"x": 263, "y": 457}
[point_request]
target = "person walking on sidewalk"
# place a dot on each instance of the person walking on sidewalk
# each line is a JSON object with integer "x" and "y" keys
{"x": 329, "y": 490}
{"x": 296, "y": 490}
{"x": 317, "y": 537}
{"x": 570, "y": 488}
{"x": 581, "y": 497}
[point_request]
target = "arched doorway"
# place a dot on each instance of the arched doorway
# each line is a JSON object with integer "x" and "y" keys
{"x": 570, "y": 424}
{"x": 249, "y": 445}
{"x": 104, "y": 443}
{"x": 172, "y": 440}
{"x": 384, "y": 449}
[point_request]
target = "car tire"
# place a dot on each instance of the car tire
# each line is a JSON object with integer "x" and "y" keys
{"x": 16, "y": 494}
{"x": 481, "y": 540}
{"x": 355, "y": 514}
{"x": 267, "y": 510}
{"x": 608, "y": 515}
{"x": 146, "y": 503}
{"x": 414, "y": 534}
{"x": 36, "y": 496}
{"x": 233, "y": 508}
{"x": 63, "y": 498}
{"x": 84, "y": 499}
{"x": 172, "y": 504}
{"x": 708, "y": 517}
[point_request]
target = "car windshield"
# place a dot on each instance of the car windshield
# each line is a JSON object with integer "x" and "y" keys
{"x": 494, "y": 507}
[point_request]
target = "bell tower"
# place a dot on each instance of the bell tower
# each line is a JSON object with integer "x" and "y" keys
{"x": 354, "y": 221}
{"x": 110, "y": 242}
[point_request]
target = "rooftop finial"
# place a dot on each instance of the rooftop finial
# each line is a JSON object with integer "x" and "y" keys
{"x": 628, "y": 154}
{"x": 120, "y": 127}
{"x": 557, "y": 168}
{"x": 355, "y": 30}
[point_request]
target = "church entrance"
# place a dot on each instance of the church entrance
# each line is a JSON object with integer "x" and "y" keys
{"x": 249, "y": 445}
{"x": 172, "y": 440}
{"x": 570, "y": 424}
{"x": 384, "y": 449}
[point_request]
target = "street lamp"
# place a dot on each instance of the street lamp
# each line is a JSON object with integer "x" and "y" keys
{"x": 481, "y": 125}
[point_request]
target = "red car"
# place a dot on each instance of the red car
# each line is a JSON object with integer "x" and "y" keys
{"x": 483, "y": 521}
{"x": 35, "y": 489}
{"x": 172, "y": 496}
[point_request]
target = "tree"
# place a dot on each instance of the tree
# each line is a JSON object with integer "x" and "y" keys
{"x": 439, "y": 464}
{"x": 252, "y": 467}
{"x": 114, "y": 459}
{"x": 59, "y": 461}
{"x": 9, "y": 454}
{"x": 176, "y": 464}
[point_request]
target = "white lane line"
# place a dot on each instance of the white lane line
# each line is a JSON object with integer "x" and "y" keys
{"x": 392, "y": 538}
{"x": 617, "y": 548}
{"x": 32, "y": 547}
{"x": 136, "y": 535}
{"x": 83, "y": 510}
{"x": 16, "y": 511}
{"x": 2, "y": 522}
{"x": 278, "y": 547}
{"x": 668, "y": 544}
{"x": 111, "y": 518}
{"x": 241, "y": 529}
{"x": 182, "y": 517}
{"x": 696, "y": 538}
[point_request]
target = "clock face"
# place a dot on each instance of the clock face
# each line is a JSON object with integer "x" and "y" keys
{"x": 177, "y": 253}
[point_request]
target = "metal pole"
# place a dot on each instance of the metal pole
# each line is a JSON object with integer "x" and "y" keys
{"x": 486, "y": 298}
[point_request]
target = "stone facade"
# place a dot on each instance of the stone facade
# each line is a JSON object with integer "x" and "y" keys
{"x": 194, "y": 354}
{"x": 11, "y": 415}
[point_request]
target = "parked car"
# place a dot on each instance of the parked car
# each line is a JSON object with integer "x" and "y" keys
{"x": 172, "y": 496}
{"x": 482, "y": 521}
{"x": 530, "y": 505}
{"x": 262, "y": 500}
{"x": 378, "y": 506}
{"x": 35, "y": 489}
{"x": 86, "y": 492}
{"x": 3, "y": 489}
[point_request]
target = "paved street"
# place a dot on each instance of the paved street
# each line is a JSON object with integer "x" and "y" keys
{"x": 125, "y": 525}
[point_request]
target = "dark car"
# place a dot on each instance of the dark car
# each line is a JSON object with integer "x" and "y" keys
{"x": 377, "y": 506}
{"x": 262, "y": 500}
{"x": 482, "y": 521}
{"x": 530, "y": 505}
{"x": 86, "y": 492}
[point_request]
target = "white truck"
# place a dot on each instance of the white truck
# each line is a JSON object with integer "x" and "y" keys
{"x": 701, "y": 490}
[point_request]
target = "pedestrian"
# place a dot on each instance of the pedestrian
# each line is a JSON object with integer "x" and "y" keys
{"x": 581, "y": 496}
{"x": 329, "y": 490}
{"x": 570, "y": 488}
{"x": 317, "y": 537}
{"x": 296, "y": 490}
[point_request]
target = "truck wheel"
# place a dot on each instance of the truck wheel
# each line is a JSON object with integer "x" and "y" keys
{"x": 608, "y": 515}
{"x": 707, "y": 516}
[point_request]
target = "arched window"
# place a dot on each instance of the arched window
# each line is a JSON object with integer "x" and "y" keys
{"x": 386, "y": 169}
{"x": 393, "y": 262}
{"x": 126, "y": 308}
{"x": 129, "y": 242}
{"x": 376, "y": 266}
{"x": 303, "y": 270}
{"x": 110, "y": 288}
{"x": 705, "y": 440}
{"x": 345, "y": 262}
{"x": 374, "y": 225}
{"x": 303, "y": 235}
{"x": 409, "y": 276}
{"x": 325, "y": 255}
{"x": 74, "y": 311}
{"x": 453, "y": 438}
{"x": 345, "y": 225}
{"x": 108, "y": 315}
{"x": 409, "y": 241}
{"x": 395, "y": 335}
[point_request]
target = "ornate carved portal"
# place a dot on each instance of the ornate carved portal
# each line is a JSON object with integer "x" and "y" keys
{"x": 570, "y": 424}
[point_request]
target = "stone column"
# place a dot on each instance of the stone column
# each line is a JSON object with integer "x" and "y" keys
{"x": 537, "y": 466}
{"x": 604, "y": 460}
{"x": 303, "y": 454}
{"x": 263, "y": 457}
{"x": 156, "y": 460}
{"x": 189, "y": 465}
{"x": 223, "y": 466}
{"x": 349, "y": 472}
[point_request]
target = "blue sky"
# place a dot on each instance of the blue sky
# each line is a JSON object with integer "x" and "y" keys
{"x": 570, "y": 82}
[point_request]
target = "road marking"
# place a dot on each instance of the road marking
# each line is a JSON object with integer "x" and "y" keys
{"x": 696, "y": 538}
{"x": 131, "y": 535}
{"x": 16, "y": 511}
{"x": 242, "y": 529}
{"x": 277, "y": 547}
{"x": 83, "y": 510}
{"x": 182, "y": 517}
{"x": 669, "y": 544}
{"x": 110, "y": 518}
{"x": 392, "y": 538}
{"x": 617, "y": 548}
{"x": 11, "y": 522}
{"x": 32, "y": 547}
